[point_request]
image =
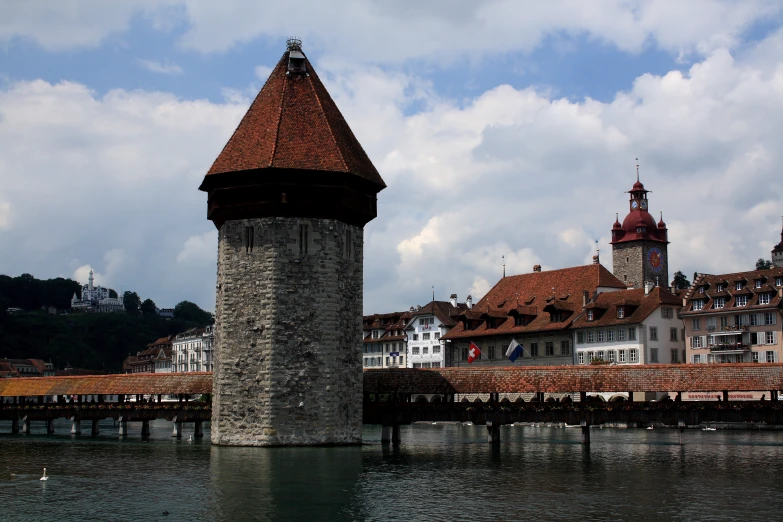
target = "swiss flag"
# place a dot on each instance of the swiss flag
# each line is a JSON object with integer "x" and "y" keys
{"x": 474, "y": 352}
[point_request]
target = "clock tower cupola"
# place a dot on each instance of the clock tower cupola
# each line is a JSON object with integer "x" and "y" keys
{"x": 639, "y": 244}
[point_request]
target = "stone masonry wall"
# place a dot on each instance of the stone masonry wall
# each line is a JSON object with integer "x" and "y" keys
{"x": 637, "y": 268}
{"x": 288, "y": 335}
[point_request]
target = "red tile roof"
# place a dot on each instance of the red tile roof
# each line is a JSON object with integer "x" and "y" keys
{"x": 559, "y": 289}
{"x": 656, "y": 377}
{"x": 126, "y": 384}
{"x": 729, "y": 293}
{"x": 637, "y": 307}
{"x": 293, "y": 124}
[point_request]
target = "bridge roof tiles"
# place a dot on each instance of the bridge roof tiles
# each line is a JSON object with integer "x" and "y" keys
{"x": 126, "y": 384}
{"x": 657, "y": 377}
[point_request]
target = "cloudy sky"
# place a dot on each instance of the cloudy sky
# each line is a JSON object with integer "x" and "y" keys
{"x": 500, "y": 127}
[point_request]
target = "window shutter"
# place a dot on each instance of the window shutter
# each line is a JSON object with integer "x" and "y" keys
{"x": 691, "y": 341}
{"x": 774, "y": 338}
{"x": 746, "y": 338}
{"x": 703, "y": 341}
{"x": 759, "y": 318}
{"x": 774, "y": 317}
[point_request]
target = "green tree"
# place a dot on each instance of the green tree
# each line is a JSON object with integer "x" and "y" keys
{"x": 187, "y": 311}
{"x": 148, "y": 308}
{"x": 680, "y": 281}
{"x": 132, "y": 303}
{"x": 763, "y": 264}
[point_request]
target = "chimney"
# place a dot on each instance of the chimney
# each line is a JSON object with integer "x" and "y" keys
{"x": 453, "y": 300}
{"x": 418, "y": 307}
{"x": 595, "y": 260}
{"x": 469, "y": 302}
{"x": 648, "y": 286}
{"x": 536, "y": 268}
{"x": 585, "y": 298}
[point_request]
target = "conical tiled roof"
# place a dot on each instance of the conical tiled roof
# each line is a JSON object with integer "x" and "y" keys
{"x": 292, "y": 124}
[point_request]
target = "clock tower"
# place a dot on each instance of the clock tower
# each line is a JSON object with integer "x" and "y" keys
{"x": 639, "y": 245}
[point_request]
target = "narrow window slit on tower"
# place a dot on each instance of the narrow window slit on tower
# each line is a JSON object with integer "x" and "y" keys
{"x": 249, "y": 237}
{"x": 348, "y": 244}
{"x": 303, "y": 233}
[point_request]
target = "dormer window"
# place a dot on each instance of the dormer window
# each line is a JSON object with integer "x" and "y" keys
{"x": 720, "y": 288}
{"x": 720, "y": 302}
{"x": 763, "y": 299}
{"x": 590, "y": 315}
{"x": 698, "y": 304}
{"x": 758, "y": 283}
{"x": 701, "y": 289}
{"x": 641, "y": 230}
{"x": 742, "y": 300}
{"x": 621, "y": 312}
{"x": 779, "y": 281}
{"x": 738, "y": 286}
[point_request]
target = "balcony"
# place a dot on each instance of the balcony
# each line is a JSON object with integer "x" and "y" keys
{"x": 728, "y": 347}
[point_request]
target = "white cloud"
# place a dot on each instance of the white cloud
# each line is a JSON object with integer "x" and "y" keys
{"x": 114, "y": 263}
{"x": 396, "y": 31}
{"x": 200, "y": 249}
{"x": 5, "y": 215}
{"x": 161, "y": 68}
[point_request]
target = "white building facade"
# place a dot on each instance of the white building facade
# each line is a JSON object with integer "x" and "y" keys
{"x": 385, "y": 340}
{"x": 631, "y": 327}
{"x": 428, "y": 324}
{"x": 192, "y": 351}
{"x": 96, "y": 298}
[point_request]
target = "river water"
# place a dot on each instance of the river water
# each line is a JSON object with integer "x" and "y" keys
{"x": 440, "y": 472}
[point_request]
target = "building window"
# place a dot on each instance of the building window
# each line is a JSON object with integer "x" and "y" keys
{"x": 601, "y": 336}
{"x": 769, "y": 318}
{"x": 621, "y": 334}
{"x": 620, "y": 312}
{"x": 590, "y": 357}
{"x": 696, "y": 342}
{"x": 580, "y": 338}
{"x": 770, "y": 356}
{"x": 436, "y": 349}
{"x": 348, "y": 244}
{"x": 436, "y": 365}
{"x": 415, "y": 337}
{"x": 724, "y": 322}
{"x": 249, "y": 238}
{"x": 698, "y": 304}
{"x": 610, "y": 335}
{"x": 426, "y": 349}
{"x": 387, "y": 361}
{"x": 633, "y": 356}
{"x": 436, "y": 335}
{"x": 599, "y": 355}
{"x": 720, "y": 288}
{"x": 769, "y": 338}
{"x": 672, "y": 334}
{"x": 701, "y": 289}
{"x": 304, "y": 238}
{"x": 779, "y": 281}
{"x": 632, "y": 334}
{"x": 415, "y": 350}
{"x": 580, "y": 357}
{"x": 653, "y": 333}
{"x": 589, "y": 315}
{"x": 425, "y": 337}
{"x": 763, "y": 299}
{"x": 653, "y": 355}
{"x": 696, "y": 323}
{"x": 675, "y": 356}
{"x": 697, "y": 359}
{"x": 755, "y": 357}
{"x": 720, "y": 302}
{"x": 591, "y": 336}
{"x": 666, "y": 312}
{"x": 738, "y": 286}
{"x": 741, "y": 300}
{"x": 565, "y": 347}
{"x": 621, "y": 356}
{"x": 758, "y": 283}
{"x": 753, "y": 320}
{"x": 611, "y": 356}
{"x": 549, "y": 346}
{"x": 534, "y": 349}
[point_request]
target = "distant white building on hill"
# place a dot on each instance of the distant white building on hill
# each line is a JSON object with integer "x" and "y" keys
{"x": 96, "y": 299}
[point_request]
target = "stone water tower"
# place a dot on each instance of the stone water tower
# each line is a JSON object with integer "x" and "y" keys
{"x": 290, "y": 194}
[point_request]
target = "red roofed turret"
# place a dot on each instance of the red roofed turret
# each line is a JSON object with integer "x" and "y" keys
{"x": 293, "y": 155}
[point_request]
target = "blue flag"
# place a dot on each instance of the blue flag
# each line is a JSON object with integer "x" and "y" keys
{"x": 514, "y": 350}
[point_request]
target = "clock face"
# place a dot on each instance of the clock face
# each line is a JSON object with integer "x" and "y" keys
{"x": 655, "y": 259}
{"x": 644, "y": 204}
{"x": 634, "y": 204}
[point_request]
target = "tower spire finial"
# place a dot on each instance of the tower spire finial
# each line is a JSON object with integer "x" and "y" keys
{"x": 504, "y": 264}
{"x": 637, "y": 169}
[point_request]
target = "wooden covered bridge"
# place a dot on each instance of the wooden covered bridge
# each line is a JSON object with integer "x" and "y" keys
{"x": 390, "y": 397}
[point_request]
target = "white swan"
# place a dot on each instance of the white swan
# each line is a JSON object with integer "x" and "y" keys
{"x": 44, "y": 475}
